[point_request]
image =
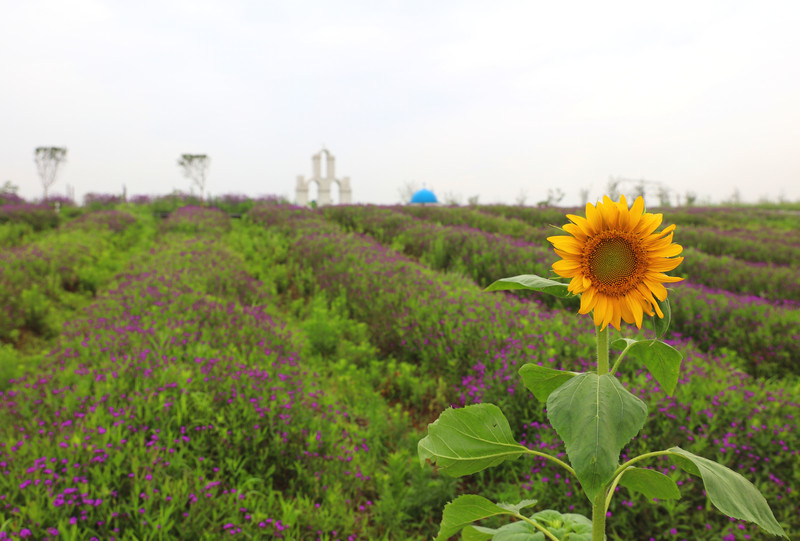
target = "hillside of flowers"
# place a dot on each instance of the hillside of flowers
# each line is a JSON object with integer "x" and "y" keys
{"x": 178, "y": 369}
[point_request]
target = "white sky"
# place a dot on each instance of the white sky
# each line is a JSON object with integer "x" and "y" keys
{"x": 473, "y": 98}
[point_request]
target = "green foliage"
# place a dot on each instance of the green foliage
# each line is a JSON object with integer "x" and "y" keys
{"x": 464, "y": 510}
{"x": 596, "y": 417}
{"x": 38, "y": 217}
{"x": 663, "y": 361}
{"x": 531, "y": 282}
{"x": 729, "y": 492}
{"x": 376, "y": 336}
{"x": 44, "y": 280}
{"x": 14, "y": 233}
{"x": 10, "y": 363}
{"x": 468, "y": 440}
{"x": 542, "y": 380}
{"x": 651, "y": 483}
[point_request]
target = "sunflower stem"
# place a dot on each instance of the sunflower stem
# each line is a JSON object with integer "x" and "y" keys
{"x": 599, "y": 517}
{"x": 602, "y": 351}
{"x": 599, "y": 503}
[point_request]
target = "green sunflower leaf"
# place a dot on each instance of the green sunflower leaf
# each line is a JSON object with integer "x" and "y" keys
{"x": 463, "y": 511}
{"x": 477, "y": 533}
{"x": 467, "y": 440}
{"x": 651, "y": 483}
{"x": 596, "y": 417}
{"x": 566, "y": 527}
{"x": 662, "y": 360}
{"x": 542, "y": 380}
{"x": 533, "y": 283}
{"x": 728, "y": 491}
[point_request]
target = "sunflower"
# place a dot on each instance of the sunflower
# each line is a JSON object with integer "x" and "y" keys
{"x": 616, "y": 261}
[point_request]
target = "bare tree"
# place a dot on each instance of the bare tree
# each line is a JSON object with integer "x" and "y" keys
{"x": 583, "y": 195}
{"x": 407, "y": 191}
{"x": 521, "y": 197}
{"x": 195, "y": 167}
{"x": 613, "y": 188}
{"x": 639, "y": 189}
{"x": 48, "y": 160}
{"x": 554, "y": 197}
{"x": 9, "y": 188}
{"x": 451, "y": 199}
{"x": 663, "y": 196}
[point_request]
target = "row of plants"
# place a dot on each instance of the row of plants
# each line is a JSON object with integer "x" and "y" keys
{"x": 62, "y": 269}
{"x": 768, "y": 281}
{"x": 409, "y": 312}
{"x": 456, "y": 249}
{"x": 15, "y": 208}
{"x": 167, "y": 411}
{"x": 763, "y": 333}
{"x": 764, "y": 246}
{"x": 364, "y": 346}
{"x": 183, "y": 404}
{"x": 779, "y": 245}
{"x": 783, "y": 217}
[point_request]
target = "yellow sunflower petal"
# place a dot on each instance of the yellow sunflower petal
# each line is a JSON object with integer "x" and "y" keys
{"x": 647, "y": 295}
{"x": 609, "y": 315}
{"x": 654, "y": 243}
{"x": 649, "y": 224}
{"x": 594, "y": 217}
{"x": 563, "y": 266}
{"x": 582, "y": 223}
{"x": 636, "y": 309}
{"x": 625, "y": 309}
{"x": 616, "y": 315}
{"x": 576, "y": 284}
{"x": 575, "y": 231}
{"x": 663, "y": 232}
{"x": 567, "y": 255}
{"x": 588, "y": 301}
{"x": 661, "y": 277}
{"x": 622, "y": 209}
{"x": 567, "y": 244}
{"x": 658, "y": 290}
{"x": 599, "y": 310}
{"x": 663, "y": 265}
{"x": 635, "y": 214}
{"x": 610, "y": 213}
{"x": 670, "y": 251}
{"x": 658, "y": 310}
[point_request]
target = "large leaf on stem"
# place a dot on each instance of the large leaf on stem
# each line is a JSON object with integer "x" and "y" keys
{"x": 651, "y": 483}
{"x": 595, "y": 416}
{"x": 663, "y": 361}
{"x": 468, "y": 440}
{"x": 543, "y": 380}
{"x": 566, "y": 527}
{"x": 533, "y": 283}
{"x": 728, "y": 491}
{"x": 463, "y": 511}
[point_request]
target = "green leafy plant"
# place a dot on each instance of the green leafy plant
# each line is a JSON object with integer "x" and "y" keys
{"x": 615, "y": 262}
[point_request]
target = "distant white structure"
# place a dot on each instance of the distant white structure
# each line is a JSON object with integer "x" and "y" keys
{"x": 323, "y": 183}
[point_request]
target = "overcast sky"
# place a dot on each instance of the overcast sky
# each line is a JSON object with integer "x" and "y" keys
{"x": 494, "y": 99}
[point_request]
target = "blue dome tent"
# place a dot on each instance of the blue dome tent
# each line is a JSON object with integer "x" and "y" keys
{"x": 424, "y": 197}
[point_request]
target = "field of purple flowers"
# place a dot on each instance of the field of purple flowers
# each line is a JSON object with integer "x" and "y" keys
{"x": 168, "y": 372}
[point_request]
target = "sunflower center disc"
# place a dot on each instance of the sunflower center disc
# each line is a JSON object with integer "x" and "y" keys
{"x": 613, "y": 261}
